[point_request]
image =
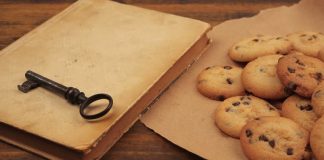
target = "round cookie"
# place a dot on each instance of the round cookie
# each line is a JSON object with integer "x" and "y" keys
{"x": 300, "y": 73}
{"x": 299, "y": 110}
{"x": 273, "y": 138}
{"x": 308, "y": 43}
{"x": 318, "y": 100}
{"x": 317, "y": 139}
{"x": 250, "y": 48}
{"x": 220, "y": 82}
{"x": 259, "y": 77}
{"x": 232, "y": 114}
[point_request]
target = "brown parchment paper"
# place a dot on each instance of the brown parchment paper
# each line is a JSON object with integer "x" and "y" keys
{"x": 185, "y": 117}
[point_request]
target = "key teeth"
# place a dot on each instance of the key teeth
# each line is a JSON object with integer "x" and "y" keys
{"x": 27, "y": 86}
{"x": 23, "y": 88}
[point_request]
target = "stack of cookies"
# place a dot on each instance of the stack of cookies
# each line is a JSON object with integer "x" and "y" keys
{"x": 285, "y": 69}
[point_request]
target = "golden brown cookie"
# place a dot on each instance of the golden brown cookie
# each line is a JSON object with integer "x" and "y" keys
{"x": 220, "y": 82}
{"x": 273, "y": 138}
{"x": 309, "y": 43}
{"x": 259, "y": 77}
{"x": 300, "y": 110}
{"x": 317, "y": 139}
{"x": 300, "y": 74}
{"x": 318, "y": 100}
{"x": 233, "y": 113}
{"x": 251, "y": 48}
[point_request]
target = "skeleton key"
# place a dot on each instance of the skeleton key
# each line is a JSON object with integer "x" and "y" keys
{"x": 71, "y": 94}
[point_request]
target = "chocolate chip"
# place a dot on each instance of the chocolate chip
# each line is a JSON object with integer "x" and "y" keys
{"x": 291, "y": 70}
{"x": 292, "y": 86}
{"x": 299, "y": 62}
{"x": 245, "y": 97}
{"x": 278, "y": 38}
{"x": 237, "y": 47}
{"x": 255, "y": 40}
{"x": 229, "y": 81}
{"x": 272, "y": 143}
{"x": 236, "y": 103}
{"x": 290, "y": 151}
{"x": 258, "y": 118}
{"x": 318, "y": 76}
{"x": 262, "y": 70}
{"x": 248, "y": 133}
{"x": 207, "y": 68}
{"x": 310, "y": 38}
{"x": 309, "y": 107}
{"x": 263, "y": 138}
{"x": 314, "y": 36}
{"x": 246, "y": 103}
{"x": 303, "y": 35}
{"x": 306, "y": 107}
{"x": 221, "y": 98}
{"x": 227, "y": 67}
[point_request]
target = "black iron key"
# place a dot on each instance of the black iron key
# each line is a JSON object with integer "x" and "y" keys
{"x": 72, "y": 95}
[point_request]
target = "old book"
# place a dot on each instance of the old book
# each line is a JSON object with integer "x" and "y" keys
{"x": 98, "y": 46}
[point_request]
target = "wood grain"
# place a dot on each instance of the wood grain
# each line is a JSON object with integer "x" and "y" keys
{"x": 17, "y": 17}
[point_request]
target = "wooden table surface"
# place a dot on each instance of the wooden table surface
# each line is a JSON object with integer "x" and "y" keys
{"x": 17, "y": 17}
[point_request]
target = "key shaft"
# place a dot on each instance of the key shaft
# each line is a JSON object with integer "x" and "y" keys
{"x": 46, "y": 83}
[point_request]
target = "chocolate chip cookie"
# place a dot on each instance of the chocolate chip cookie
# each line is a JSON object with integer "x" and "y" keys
{"x": 300, "y": 73}
{"x": 259, "y": 77}
{"x": 232, "y": 114}
{"x": 273, "y": 138}
{"x": 220, "y": 82}
{"x": 309, "y": 43}
{"x": 300, "y": 110}
{"x": 250, "y": 48}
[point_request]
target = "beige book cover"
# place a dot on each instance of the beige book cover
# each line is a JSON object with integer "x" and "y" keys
{"x": 98, "y": 46}
{"x": 188, "y": 119}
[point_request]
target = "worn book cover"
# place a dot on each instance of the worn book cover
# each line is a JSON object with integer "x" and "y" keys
{"x": 98, "y": 46}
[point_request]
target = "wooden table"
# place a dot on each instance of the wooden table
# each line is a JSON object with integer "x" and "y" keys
{"x": 17, "y": 17}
